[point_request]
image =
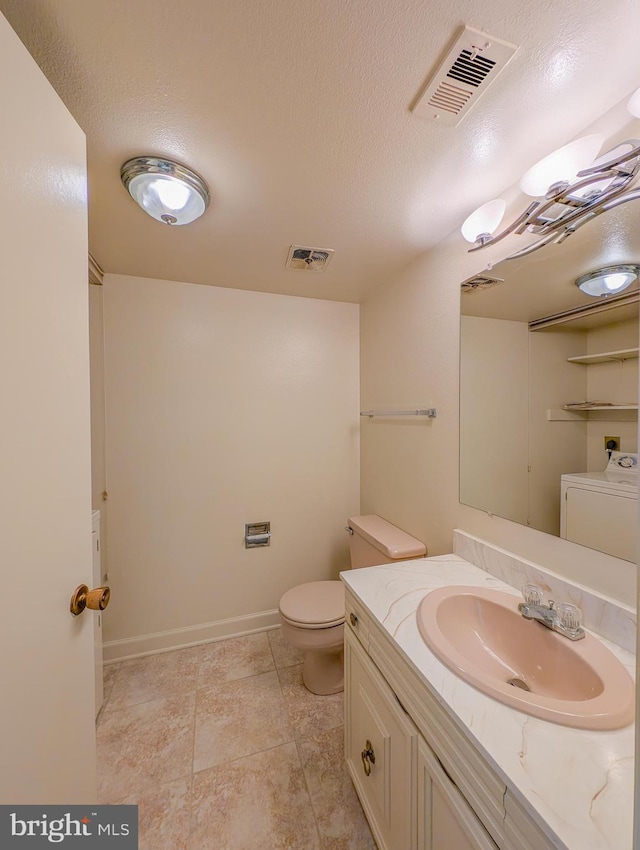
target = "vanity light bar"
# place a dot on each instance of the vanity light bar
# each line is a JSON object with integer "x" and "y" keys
{"x": 579, "y": 312}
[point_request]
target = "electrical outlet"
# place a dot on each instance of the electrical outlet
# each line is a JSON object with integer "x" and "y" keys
{"x": 609, "y": 447}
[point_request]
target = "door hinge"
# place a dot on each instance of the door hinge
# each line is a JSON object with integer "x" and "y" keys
{"x": 105, "y": 495}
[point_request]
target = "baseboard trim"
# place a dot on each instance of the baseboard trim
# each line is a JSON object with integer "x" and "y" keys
{"x": 152, "y": 644}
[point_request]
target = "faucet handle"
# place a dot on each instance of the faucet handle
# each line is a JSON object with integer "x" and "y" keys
{"x": 532, "y": 594}
{"x": 570, "y": 615}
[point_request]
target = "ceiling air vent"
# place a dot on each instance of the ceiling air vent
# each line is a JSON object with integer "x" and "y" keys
{"x": 309, "y": 259}
{"x": 478, "y": 282}
{"x": 468, "y": 69}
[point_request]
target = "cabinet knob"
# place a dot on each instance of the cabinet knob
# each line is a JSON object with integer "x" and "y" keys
{"x": 368, "y": 758}
{"x": 353, "y": 619}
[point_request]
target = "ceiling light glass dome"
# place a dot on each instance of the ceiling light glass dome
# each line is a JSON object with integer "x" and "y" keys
{"x": 167, "y": 191}
{"x": 561, "y": 166}
{"x": 608, "y": 281}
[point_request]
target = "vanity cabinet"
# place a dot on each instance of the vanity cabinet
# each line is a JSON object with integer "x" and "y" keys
{"x": 445, "y": 820}
{"x": 381, "y": 748}
{"x": 421, "y": 782}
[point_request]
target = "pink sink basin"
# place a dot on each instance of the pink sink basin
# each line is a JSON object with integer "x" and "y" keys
{"x": 480, "y": 635}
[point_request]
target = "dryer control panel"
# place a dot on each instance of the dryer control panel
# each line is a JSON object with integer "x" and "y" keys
{"x": 623, "y": 462}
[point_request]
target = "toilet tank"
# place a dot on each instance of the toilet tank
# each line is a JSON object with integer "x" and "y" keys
{"x": 375, "y": 541}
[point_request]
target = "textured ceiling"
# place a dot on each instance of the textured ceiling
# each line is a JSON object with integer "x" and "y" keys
{"x": 296, "y": 113}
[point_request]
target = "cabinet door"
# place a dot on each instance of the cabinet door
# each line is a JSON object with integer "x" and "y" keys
{"x": 445, "y": 820}
{"x": 381, "y": 751}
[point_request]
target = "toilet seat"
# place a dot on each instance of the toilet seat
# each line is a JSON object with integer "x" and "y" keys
{"x": 314, "y": 605}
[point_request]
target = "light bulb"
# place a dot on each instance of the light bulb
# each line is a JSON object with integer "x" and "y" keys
{"x": 561, "y": 165}
{"x": 633, "y": 105}
{"x": 173, "y": 195}
{"x": 484, "y": 220}
{"x": 613, "y": 282}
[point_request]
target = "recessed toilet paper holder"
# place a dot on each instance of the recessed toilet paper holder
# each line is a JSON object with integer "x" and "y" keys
{"x": 257, "y": 534}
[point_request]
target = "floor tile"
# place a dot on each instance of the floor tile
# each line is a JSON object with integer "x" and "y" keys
{"x": 237, "y": 718}
{"x": 309, "y": 713}
{"x": 142, "y": 745}
{"x": 164, "y": 816}
{"x": 109, "y": 678}
{"x": 237, "y": 658}
{"x": 255, "y": 802}
{"x": 154, "y": 676}
{"x": 341, "y": 821}
{"x": 284, "y": 654}
{"x": 250, "y": 789}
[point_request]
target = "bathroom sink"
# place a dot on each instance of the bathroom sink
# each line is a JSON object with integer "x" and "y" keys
{"x": 480, "y": 635}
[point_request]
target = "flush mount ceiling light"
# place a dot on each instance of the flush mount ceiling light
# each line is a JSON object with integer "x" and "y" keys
{"x": 610, "y": 280}
{"x": 166, "y": 190}
{"x": 572, "y": 186}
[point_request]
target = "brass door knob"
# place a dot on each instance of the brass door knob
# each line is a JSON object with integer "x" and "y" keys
{"x": 96, "y": 599}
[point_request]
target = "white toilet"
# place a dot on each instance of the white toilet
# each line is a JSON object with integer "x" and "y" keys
{"x": 312, "y": 614}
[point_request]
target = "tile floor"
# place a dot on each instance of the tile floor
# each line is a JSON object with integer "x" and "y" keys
{"x": 223, "y": 748}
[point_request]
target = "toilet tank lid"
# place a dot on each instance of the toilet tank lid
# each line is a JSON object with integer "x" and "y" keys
{"x": 388, "y": 538}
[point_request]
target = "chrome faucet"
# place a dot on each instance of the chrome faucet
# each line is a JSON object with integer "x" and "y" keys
{"x": 562, "y": 617}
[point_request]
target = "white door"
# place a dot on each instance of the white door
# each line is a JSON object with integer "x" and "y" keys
{"x": 47, "y": 749}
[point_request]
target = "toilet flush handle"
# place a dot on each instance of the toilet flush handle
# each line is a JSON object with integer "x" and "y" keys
{"x": 348, "y": 529}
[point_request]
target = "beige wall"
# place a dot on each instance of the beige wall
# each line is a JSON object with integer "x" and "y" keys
{"x": 409, "y": 354}
{"x": 223, "y": 407}
{"x": 98, "y": 453}
{"x": 96, "y": 356}
{"x": 494, "y": 412}
{"x": 511, "y": 454}
{"x": 555, "y": 446}
{"x": 612, "y": 382}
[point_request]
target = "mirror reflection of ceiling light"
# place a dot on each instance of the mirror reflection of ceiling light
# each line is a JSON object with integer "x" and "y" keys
{"x": 610, "y": 280}
{"x": 166, "y": 190}
{"x": 571, "y": 185}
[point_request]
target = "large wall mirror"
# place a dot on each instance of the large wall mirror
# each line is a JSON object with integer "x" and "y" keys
{"x": 548, "y": 377}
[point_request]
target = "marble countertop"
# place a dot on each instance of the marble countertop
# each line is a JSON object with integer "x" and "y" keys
{"x": 576, "y": 785}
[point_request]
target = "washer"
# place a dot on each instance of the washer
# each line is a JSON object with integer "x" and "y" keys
{"x": 599, "y": 509}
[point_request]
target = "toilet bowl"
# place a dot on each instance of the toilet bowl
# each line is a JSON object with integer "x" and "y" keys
{"x": 312, "y": 615}
{"x": 312, "y": 619}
